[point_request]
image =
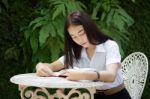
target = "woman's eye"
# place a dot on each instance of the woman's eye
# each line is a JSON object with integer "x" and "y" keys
{"x": 81, "y": 34}
{"x": 73, "y": 37}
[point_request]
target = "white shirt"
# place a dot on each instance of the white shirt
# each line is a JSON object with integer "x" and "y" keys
{"x": 105, "y": 53}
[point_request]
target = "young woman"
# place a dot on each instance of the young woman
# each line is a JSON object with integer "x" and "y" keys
{"x": 87, "y": 47}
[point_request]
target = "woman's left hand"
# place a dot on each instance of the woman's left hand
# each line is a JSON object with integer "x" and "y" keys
{"x": 74, "y": 74}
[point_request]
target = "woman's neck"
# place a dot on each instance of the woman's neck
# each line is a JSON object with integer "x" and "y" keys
{"x": 90, "y": 51}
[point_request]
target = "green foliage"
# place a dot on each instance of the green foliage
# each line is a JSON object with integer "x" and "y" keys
{"x": 114, "y": 21}
{"x": 64, "y": 7}
{"x": 42, "y": 31}
{"x": 32, "y": 31}
{"x": 46, "y": 31}
{"x": 140, "y": 33}
{"x": 13, "y": 16}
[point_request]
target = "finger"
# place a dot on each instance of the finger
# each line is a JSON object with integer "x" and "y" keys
{"x": 63, "y": 71}
{"x": 42, "y": 73}
{"x": 66, "y": 73}
{"x": 38, "y": 65}
{"x": 47, "y": 70}
{"x": 69, "y": 78}
{"x": 39, "y": 73}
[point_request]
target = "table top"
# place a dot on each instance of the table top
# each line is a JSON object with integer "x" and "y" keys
{"x": 30, "y": 79}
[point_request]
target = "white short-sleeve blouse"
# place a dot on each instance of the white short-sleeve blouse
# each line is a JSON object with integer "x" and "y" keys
{"x": 105, "y": 53}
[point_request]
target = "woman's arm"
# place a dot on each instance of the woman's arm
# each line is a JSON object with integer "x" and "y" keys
{"x": 107, "y": 75}
{"x": 110, "y": 73}
{"x": 55, "y": 66}
{"x": 46, "y": 69}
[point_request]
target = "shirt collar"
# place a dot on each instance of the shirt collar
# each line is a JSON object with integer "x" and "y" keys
{"x": 99, "y": 48}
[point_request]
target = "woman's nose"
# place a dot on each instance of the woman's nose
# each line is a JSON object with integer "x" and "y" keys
{"x": 80, "y": 39}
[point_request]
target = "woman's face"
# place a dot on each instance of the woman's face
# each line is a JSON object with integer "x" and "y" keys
{"x": 78, "y": 35}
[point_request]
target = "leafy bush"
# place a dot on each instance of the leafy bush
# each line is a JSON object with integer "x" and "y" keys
{"x": 32, "y": 31}
{"x": 45, "y": 33}
{"x": 139, "y": 37}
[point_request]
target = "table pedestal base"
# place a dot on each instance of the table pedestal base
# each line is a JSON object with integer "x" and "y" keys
{"x": 28, "y": 92}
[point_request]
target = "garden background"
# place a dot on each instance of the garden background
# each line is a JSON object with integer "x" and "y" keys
{"x": 29, "y": 29}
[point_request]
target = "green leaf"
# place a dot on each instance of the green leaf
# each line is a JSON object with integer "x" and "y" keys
{"x": 11, "y": 53}
{"x": 109, "y": 17}
{"x": 95, "y": 11}
{"x": 44, "y": 33}
{"x": 5, "y": 3}
{"x": 55, "y": 2}
{"x": 73, "y": 5}
{"x": 52, "y": 29}
{"x": 106, "y": 6}
{"x": 133, "y": 1}
{"x": 55, "y": 50}
{"x": 118, "y": 22}
{"x": 39, "y": 24}
{"x": 36, "y": 21}
{"x": 27, "y": 33}
{"x": 44, "y": 11}
{"x": 94, "y": 1}
{"x": 58, "y": 10}
{"x": 42, "y": 56}
{"x": 79, "y": 5}
{"x": 103, "y": 16}
{"x": 34, "y": 42}
{"x": 59, "y": 27}
{"x": 125, "y": 17}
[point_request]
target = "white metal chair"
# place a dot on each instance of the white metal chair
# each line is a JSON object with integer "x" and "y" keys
{"x": 135, "y": 70}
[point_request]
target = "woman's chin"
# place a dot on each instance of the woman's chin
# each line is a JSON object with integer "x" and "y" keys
{"x": 85, "y": 46}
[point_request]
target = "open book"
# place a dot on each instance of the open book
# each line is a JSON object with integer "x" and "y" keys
{"x": 61, "y": 73}
{"x": 58, "y": 74}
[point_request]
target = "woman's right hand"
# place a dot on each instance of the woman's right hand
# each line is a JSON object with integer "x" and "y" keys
{"x": 43, "y": 69}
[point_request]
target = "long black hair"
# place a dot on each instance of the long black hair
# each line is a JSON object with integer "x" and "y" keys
{"x": 72, "y": 51}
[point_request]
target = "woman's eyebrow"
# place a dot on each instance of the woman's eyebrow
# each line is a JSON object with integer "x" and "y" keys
{"x": 80, "y": 30}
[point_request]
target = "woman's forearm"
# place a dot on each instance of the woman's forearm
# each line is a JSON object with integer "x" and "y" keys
{"x": 103, "y": 76}
{"x": 55, "y": 66}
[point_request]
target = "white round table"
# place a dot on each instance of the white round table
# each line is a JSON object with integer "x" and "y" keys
{"x": 42, "y": 84}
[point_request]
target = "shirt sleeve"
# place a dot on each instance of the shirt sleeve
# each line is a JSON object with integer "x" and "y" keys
{"x": 112, "y": 52}
{"x": 61, "y": 59}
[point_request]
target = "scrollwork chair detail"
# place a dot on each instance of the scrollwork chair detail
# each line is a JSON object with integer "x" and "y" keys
{"x": 135, "y": 70}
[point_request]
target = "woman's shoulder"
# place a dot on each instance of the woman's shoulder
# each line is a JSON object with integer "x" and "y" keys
{"x": 107, "y": 45}
{"x": 110, "y": 43}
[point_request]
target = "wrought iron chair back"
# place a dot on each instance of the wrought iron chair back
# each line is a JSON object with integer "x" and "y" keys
{"x": 135, "y": 70}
